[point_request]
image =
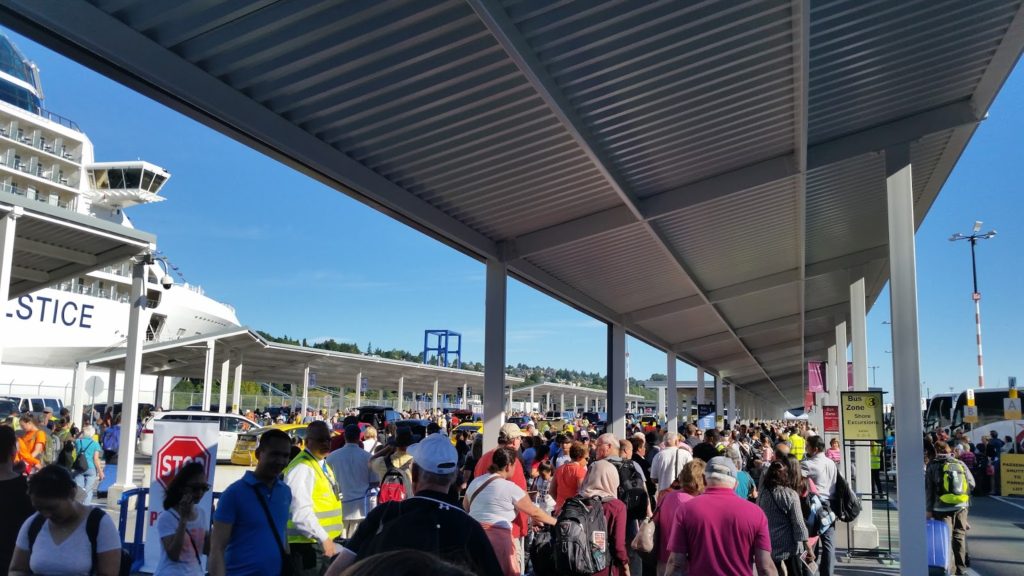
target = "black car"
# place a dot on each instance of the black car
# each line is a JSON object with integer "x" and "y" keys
{"x": 379, "y": 417}
{"x": 417, "y": 427}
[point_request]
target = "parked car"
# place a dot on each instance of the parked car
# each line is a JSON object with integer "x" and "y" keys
{"x": 379, "y": 417}
{"x": 471, "y": 428}
{"x": 520, "y": 421}
{"x": 36, "y": 404}
{"x": 8, "y": 409}
{"x": 244, "y": 453}
{"x": 648, "y": 423}
{"x": 231, "y": 425}
{"x": 418, "y": 428}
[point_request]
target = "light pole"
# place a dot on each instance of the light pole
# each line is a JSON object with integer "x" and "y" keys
{"x": 973, "y": 239}
{"x": 874, "y": 381}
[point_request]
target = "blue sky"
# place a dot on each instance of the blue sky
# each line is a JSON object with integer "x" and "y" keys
{"x": 295, "y": 257}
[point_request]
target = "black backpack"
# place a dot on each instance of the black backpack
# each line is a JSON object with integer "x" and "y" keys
{"x": 845, "y": 503}
{"x": 542, "y": 552}
{"x": 632, "y": 491}
{"x": 92, "y": 530}
{"x": 581, "y": 538}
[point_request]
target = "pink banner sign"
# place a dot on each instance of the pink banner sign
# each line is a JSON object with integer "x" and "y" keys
{"x": 816, "y": 377}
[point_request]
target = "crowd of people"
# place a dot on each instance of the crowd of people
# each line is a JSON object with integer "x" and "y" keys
{"x": 571, "y": 498}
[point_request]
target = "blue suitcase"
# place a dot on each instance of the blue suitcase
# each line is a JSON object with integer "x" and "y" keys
{"x": 939, "y": 544}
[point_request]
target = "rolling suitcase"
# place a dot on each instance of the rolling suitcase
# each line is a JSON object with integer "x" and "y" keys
{"x": 939, "y": 545}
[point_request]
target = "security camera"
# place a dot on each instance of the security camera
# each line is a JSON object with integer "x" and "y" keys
{"x": 167, "y": 281}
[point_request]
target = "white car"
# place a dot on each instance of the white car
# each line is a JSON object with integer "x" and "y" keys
{"x": 231, "y": 425}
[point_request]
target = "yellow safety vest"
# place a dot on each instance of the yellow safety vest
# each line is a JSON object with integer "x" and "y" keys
{"x": 326, "y": 505}
{"x": 876, "y": 456}
{"x": 798, "y": 446}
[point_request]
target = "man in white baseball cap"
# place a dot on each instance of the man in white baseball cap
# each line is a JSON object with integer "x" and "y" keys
{"x": 429, "y": 521}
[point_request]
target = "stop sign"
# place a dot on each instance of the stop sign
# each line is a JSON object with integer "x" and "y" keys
{"x": 177, "y": 452}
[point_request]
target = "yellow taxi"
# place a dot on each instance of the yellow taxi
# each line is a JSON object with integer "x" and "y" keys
{"x": 244, "y": 453}
{"x": 470, "y": 428}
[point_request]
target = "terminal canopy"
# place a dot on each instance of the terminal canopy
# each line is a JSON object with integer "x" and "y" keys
{"x": 708, "y": 175}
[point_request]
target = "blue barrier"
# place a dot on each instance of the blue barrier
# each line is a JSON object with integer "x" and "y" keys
{"x": 137, "y": 547}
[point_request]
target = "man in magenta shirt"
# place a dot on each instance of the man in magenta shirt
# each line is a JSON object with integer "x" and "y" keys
{"x": 719, "y": 533}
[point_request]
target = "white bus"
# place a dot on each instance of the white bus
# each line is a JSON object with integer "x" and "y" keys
{"x": 939, "y": 413}
{"x": 990, "y": 416}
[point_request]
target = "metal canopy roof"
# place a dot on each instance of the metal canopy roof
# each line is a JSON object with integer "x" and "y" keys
{"x": 557, "y": 388}
{"x": 708, "y": 174}
{"x": 52, "y": 244}
{"x": 283, "y": 363}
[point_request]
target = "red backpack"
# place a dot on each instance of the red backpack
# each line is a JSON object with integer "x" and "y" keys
{"x": 392, "y": 485}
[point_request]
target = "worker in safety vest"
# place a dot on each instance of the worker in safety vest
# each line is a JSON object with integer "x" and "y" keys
{"x": 315, "y": 518}
{"x": 876, "y": 469}
{"x": 797, "y": 444}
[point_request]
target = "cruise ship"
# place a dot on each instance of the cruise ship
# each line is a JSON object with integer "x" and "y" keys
{"x": 47, "y": 158}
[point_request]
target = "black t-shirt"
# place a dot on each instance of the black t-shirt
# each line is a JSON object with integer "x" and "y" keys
{"x": 17, "y": 508}
{"x": 429, "y": 522}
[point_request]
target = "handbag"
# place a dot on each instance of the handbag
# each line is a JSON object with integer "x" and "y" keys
{"x": 646, "y": 534}
{"x": 286, "y": 563}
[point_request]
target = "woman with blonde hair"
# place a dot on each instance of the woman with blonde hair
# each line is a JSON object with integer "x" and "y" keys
{"x": 688, "y": 485}
{"x": 370, "y": 442}
{"x": 602, "y": 481}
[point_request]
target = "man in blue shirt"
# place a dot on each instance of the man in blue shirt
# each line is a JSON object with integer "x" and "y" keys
{"x": 242, "y": 542}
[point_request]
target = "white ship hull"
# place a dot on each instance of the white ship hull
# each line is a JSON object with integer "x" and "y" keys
{"x": 51, "y": 330}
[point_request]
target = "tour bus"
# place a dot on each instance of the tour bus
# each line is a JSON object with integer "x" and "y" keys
{"x": 990, "y": 416}
{"x": 939, "y": 413}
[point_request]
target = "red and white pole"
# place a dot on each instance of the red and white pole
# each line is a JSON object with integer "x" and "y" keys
{"x": 977, "y": 321}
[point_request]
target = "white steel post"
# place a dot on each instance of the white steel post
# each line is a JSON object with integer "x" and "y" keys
{"x": 78, "y": 394}
{"x": 719, "y": 402}
{"x": 670, "y": 401}
{"x": 732, "y": 405}
{"x": 305, "y": 390}
{"x": 132, "y": 377}
{"x": 561, "y": 403}
{"x": 616, "y": 399}
{"x": 494, "y": 350}
{"x": 401, "y": 394}
{"x": 8, "y": 226}
{"x": 700, "y": 385}
{"x": 236, "y": 397}
{"x": 574, "y": 404}
{"x": 208, "y": 374}
{"x": 158, "y": 394}
{"x": 531, "y": 401}
{"x": 111, "y": 387}
{"x": 865, "y": 533}
{"x": 433, "y": 401}
{"x": 225, "y": 373}
{"x": 906, "y": 360}
{"x": 842, "y": 380}
{"x": 359, "y": 393}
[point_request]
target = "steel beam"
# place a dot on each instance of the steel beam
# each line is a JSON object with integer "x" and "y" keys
{"x": 495, "y": 305}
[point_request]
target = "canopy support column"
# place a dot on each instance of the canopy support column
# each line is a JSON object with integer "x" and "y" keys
{"x": 906, "y": 358}
{"x": 111, "y": 388}
{"x": 132, "y": 375}
{"x": 465, "y": 396}
{"x": 865, "y": 533}
{"x": 78, "y": 395}
{"x": 225, "y": 373}
{"x": 616, "y": 399}
{"x": 8, "y": 226}
{"x": 158, "y": 394}
{"x": 531, "y": 401}
{"x": 433, "y": 401}
{"x": 208, "y": 374}
{"x": 561, "y": 403}
{"x": 305, "y": 390}
{"x": 732, "y": 405}
{"x": 719, "y": 399}
{"x": 495, "y": 303}
{"x": 359, "y": 393}
{"x": 700, "y": 385}
{"x": 236, "y": 399}
{"x": 401, "y": 394}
